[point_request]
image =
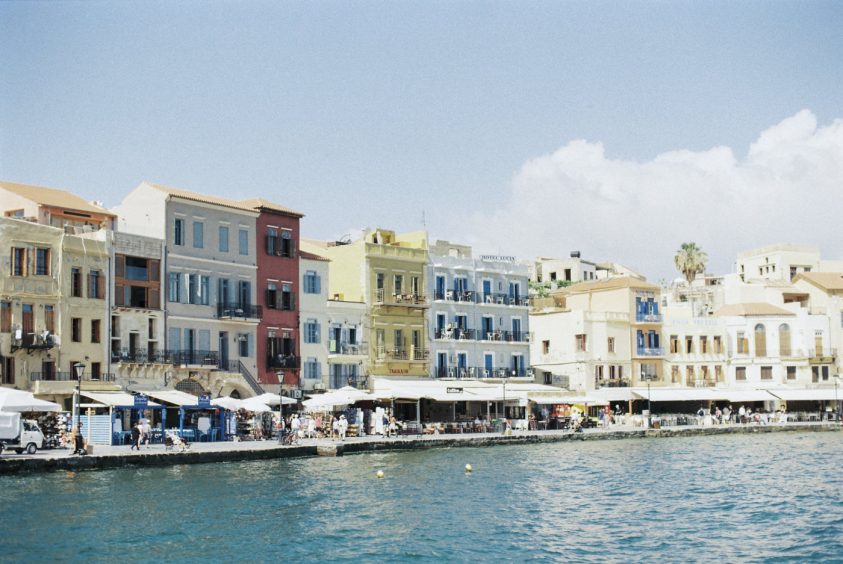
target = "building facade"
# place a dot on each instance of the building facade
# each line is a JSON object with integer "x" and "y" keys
{"x": 313, "y": 328}
{"x": 479, "y": 316}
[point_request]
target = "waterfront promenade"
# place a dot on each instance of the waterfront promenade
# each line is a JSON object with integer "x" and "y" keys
{"x": 157, "y": 455}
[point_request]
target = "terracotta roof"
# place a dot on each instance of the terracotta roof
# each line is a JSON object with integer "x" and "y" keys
{"x": 610, "y": 284}
{"x": 202, "y": 198}
{"x": 750, "y": 309}
{"x": 260, "y": 203}
{"x": 311, "y": 256}
{"x": 829, "y": 281}
{"x": 53, "y": 197}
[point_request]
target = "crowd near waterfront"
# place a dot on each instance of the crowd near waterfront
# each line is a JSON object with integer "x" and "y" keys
{"x": 726, "y": 497}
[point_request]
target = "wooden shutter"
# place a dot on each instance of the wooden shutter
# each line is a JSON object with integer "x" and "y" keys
{"x": 120, "y": 266}
{"x": 119, "y": 294}
{"x": 10, "y": 367}
{"x": 154, "y": 298}
{"x": 101, "y": 285}
{"x": 154, "y": 270}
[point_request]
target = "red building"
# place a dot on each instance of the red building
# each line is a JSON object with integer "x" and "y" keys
{"x": 277, "y": 287}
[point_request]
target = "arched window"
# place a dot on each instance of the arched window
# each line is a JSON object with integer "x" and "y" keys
{"x": 784, "y": 340}
{"x": 760, "y": 340}
{"x": 234, "y": 394}
{"x": 191, "y": 387}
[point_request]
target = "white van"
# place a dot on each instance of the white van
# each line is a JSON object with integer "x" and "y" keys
{"x": 19, "y": 434}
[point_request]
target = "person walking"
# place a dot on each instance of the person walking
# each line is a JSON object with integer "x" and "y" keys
{"x": 146, "y": 428}
{"x": 136, "y": 436}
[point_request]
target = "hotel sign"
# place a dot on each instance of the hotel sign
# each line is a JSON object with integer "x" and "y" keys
{"x": 399, "y": 370}
{"x": 497, "y": 258}
{"x": 453, "y": 390}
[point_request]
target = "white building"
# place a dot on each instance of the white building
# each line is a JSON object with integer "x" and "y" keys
{"x": 313, "y": 321}
{"x": 347, "y": 360}
{"x": 479, "y": 318}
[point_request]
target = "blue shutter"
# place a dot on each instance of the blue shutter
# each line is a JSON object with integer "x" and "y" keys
{"x": 174, "y": 338}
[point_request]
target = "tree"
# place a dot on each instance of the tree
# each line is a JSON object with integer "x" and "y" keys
{"x": 690, "y": 260}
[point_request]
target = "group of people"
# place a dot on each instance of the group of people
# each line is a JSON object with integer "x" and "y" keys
{"x": 311, "y": 427}
{"x": 744, "y": 415}
{"x": 141, "y": 434}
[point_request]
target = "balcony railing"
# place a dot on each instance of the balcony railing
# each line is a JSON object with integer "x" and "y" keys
{"x": 35, "y": 341}
{"x": 475, "y": 372}
{"x": 455, "y": 334}
{"x": 345, "y": 348}
{"x": 702, "y": 383}
{"x": 611, "y": 383}
{"x": 502, "y": 299}
{"x": 648, "y": 317}
{"x": 283, "y": 361}
{"x": 822, "y": 353}
{"x": 238, "y": 311}
{"x": 649, "y": 351}
{"x": 403, "y": 354}
{"x": 469, "y": 296}
{"x": 409, "y": 299}
{"x": 68, "y": 377}
{"x": 516, "y": 337}
{"x": 196, "y": 358}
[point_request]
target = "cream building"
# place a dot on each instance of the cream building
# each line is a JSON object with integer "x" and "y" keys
{"x": 313, "y": 321}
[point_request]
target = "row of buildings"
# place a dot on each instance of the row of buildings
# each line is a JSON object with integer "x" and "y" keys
{"x": 176, "y": 289}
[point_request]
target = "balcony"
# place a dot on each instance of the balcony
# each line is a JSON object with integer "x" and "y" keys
{"x": 467, "y": 296}
{"x": 192, "y": 358}
{"x": 822, "y": 355}
{"x": 35, "y": 342}
{"x": 502, "y": 299}
{"x": 68, "y": 377}
{"x": 345, "y": 349}
{"x": 475, "y": 372}
{"x": 455, "y": 334}
{"x": 612, "y": 383}
{"x": 648, "y": 317}
{"x": 403, "y": 355}
{"x": 516, "y": 337}
{"x": 649, "y": 351}
{"x": 702, "y": 383}
{"x": 408, "y": 300}
{"x": 238, "y": 311}
{"x": 281, "y": 361}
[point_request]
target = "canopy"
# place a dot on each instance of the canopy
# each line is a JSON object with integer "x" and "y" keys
{"x": 808, "y": 394}
{"x": 174, "y": 397}
{"x": 115, "y": 399}
{"x": 225, "y": 402}
{"x": 343, "y": 396}
{"x": 678, "y": 394}
{"x": 274, "y": 399}
{"x": 737, "y": 396}
{"x": 569, "y": 399}
{"x": 255, "y": 406}
{"x": 20, "y": 401}
{"x": 617, "y": 394}
{"x": 443, "y": 390}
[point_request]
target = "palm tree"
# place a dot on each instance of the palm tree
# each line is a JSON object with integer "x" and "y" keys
{"x": 690, "y": 260}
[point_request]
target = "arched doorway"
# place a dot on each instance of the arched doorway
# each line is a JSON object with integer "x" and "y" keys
{"x": 191, "y": 387}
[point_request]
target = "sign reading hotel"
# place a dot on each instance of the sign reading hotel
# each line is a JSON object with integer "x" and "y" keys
{"x": 497, "y": 258}
{"x": 399, "y": 370}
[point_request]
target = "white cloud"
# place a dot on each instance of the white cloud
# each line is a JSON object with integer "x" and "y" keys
{"x": 787, "y": 189}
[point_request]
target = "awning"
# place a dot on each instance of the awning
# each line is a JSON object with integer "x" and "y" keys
{"x": 617, "y": 394}
{"x": 677, "y": 394}
{"x": 174, "y": 397}
{"x": 255, "y": 406}
{"x": 808, "y": 394}
{"x": 229, "y": 403}
{"x": 737, "y": 396}
{"x": 22, "y": 402}
{"x": 570, "y": 400}
{"x": 274, "y": 399}
{"x": 115, "y": 399}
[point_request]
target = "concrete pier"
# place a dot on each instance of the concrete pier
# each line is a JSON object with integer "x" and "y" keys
{"x": 105, "y": 457}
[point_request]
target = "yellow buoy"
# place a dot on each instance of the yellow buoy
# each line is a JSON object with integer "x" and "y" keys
{"x": 468, "y": 468}
{"x": 380, "y": 474}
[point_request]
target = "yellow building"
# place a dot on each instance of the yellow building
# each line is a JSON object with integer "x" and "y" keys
{"x": 385, "y": 271}
{"x": 53, "y": 311}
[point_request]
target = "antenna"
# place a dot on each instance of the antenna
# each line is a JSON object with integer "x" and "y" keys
{"x": 424, "y": 223}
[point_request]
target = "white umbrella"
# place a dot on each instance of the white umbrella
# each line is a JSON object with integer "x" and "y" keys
{"x": 255, "y": 406}
{"x": 16, "y": 400}
{"x": 274, "y": 399}
{"x": 231, "y": 404}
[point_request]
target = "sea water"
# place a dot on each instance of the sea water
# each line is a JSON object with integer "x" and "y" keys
{"x": 743, "y": 497}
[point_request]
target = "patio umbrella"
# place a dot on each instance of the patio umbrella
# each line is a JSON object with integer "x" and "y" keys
{"x": 231, "y": 404}
{"x": 255, "y": 406}
{"x": 16, "y": 400}
{"x": 274, "y": 399}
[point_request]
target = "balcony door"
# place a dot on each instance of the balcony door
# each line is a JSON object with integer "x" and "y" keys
{"x": 516, "y": 329}
{"x": 223, "y": 348}
{"x": 244, "y": 293}
{"x": 224, "y": 296}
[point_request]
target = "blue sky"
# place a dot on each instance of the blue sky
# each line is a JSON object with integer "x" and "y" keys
{"x": 368, "y": 113}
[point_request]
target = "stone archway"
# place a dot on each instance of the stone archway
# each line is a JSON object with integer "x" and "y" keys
{"x": 190, "y": 386}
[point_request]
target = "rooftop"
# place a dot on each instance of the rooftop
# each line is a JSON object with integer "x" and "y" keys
{"x": 251, "y": 204}
{"x": 615, "y": 283}
{"x": 53, "y": 197}
{"x": 751, "y": 309}
{"x": 828, "y": 281}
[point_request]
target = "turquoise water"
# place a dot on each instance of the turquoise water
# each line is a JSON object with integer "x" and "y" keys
{"x": 744, "y": 497}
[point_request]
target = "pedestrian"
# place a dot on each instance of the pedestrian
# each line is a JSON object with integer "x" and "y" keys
{"x": 393, "y": 426}
{"x": 742, "y": 414}
{"x": 147, "y": 432}
{"x": 335, "y": 428}
{"x": 295, "y": 426}
{"x": 343, "y": 427}
{"x": 136, "y": 436}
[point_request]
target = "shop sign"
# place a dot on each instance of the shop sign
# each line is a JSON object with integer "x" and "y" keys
{"x": 399, "y": 370}
{"x": 204, "y": 401}
{"x": 453, "y": 390}
{"x": 141, "y": 401}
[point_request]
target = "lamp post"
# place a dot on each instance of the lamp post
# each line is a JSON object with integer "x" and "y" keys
{"x": 78, "y": 369}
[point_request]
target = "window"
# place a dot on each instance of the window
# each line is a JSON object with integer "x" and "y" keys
{"x": 704, "y": 345}
{"x": 288, "y": 302}
{"x": 6, "y": 317}
{"x": 49, "y": 318}
{"x": 791, "y": 373}
{"x": 95, "y": 330}
{"x": 198, "y": 234}
{"x": 760, "y": 340}
{"x": 243, "y": 345}
{"x": 598, "y": 372}
{"x": 545, "y": 347}
{"x": 198, "y": 289}
{"x": 312, "y": 282}
{"x": 272, "y": 240}
{"x": 76, "y": 282}
{"x": 311, "y": 331}
{"x": 96, "y": 285}
{"x": 718, "y": 345}
{"x": 42, "y": 262}
{"x": 271, "y": 295}
{"x": 244, "y": 241}
{"x": 76, "y": 330}
{"x": 173, "y": 287}
{"x": 18, "y": 261}
{"x": 740, "y": 373}
{"x": 223, "y": 236}
{"x": 743, "y": 344}
{"x": 287, "y": 243}
{"x": 689, "y": 345}
{"x": 674, "y": 344}
{"x": 784, "y": 340}
{"x": 96, "y": 370}
{"x": 581, "y": 342}
{"x": 178, "y": 231}
{"x": 28, "y": 322}
{"x": 611, "y": 344}
{"x": 312, "y": 370}
{"x": 718, "y": 373}
{"x": 690, "y": 374}
{"x": 674, "y": 374}
{"x": 766, "y": 372}
{"x": 398, "y": 284}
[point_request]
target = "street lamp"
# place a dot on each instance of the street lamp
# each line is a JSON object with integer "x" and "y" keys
{"x": 78, "y": 369}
